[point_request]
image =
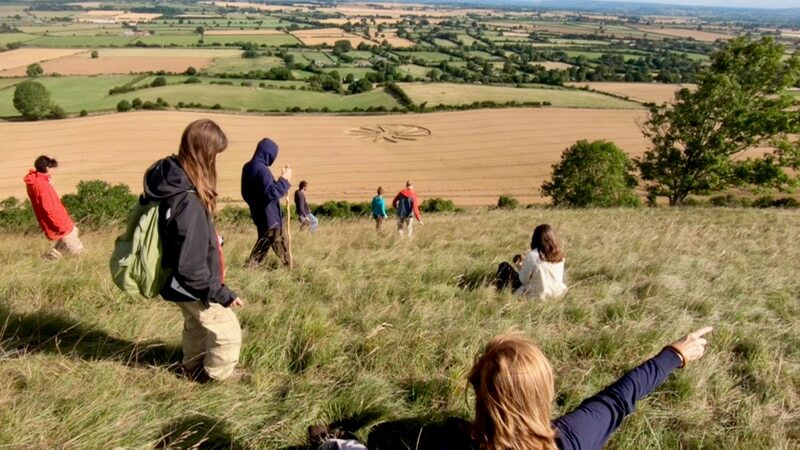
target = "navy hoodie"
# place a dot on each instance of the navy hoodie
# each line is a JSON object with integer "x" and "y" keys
{"x": 261, "y": 191}
{"x": 188, "y": 238}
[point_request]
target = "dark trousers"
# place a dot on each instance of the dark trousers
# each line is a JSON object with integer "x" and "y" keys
{"x": 273, "y": 238}
{"x": 507, "y": 276}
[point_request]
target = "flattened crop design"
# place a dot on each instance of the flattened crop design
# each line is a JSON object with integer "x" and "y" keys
{"x": 392, "y": 133}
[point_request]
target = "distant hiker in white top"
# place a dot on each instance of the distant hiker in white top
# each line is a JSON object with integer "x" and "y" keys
{"x": 542, "y": 272}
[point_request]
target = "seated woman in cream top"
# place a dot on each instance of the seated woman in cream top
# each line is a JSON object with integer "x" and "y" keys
{"x": 542, "y": 272}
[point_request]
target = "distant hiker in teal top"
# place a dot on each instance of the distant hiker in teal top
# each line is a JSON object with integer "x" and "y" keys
{"x": 379, "y": 209}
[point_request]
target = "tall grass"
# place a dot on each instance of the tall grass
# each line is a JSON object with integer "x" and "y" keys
{"x": 370, "y": 329}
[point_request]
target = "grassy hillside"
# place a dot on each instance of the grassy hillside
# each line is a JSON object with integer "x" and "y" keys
{"x": 375, "y": 329}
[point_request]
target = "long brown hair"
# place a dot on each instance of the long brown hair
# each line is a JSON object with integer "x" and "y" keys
{"x": 202, "y": 140}
{"x": 545, "y": 242}
{"x": 513, "y": 384}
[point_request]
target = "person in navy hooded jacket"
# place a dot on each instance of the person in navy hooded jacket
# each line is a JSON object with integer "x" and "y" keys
{"x": 263, "y": 195}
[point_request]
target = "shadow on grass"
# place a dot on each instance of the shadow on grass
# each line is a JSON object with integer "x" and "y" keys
{"x": 476, "y": 279}
{"x": 438, "y": 432}
{"x": 46, "y": 332}
{"x": 198, "y": 432}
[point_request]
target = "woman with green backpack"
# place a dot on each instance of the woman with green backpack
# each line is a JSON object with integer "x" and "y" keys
{"x": 184, "y": 185}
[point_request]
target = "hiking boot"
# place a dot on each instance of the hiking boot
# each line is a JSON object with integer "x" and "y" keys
{"x": 239, "y": 375}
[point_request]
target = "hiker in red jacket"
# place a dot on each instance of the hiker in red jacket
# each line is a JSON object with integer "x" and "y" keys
{"x": 406, "y": 203}
{"x": 50, "y": 212}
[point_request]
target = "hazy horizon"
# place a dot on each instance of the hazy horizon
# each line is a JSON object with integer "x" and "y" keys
{"x": 772, "y": 4}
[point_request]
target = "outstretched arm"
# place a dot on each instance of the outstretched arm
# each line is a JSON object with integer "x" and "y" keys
{"x": 590, "y": 425}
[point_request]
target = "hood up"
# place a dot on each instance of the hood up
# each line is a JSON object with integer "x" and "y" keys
{"x": 266, "y": 152}
{"x": 166, "y": 178}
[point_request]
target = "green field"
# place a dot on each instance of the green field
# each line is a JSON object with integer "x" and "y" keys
{"x": 91, "y": 93}
{"x": 461, "y": 94}
{"x": 373, "y": 330}
{"x": 239, "y": 64}
{"x": 414, "y": 70}
{"x": 6, "y": 38}
{"x": 81, "y": 41}
{"x": 72, "y": 93}
{"x": 431, "y": 57}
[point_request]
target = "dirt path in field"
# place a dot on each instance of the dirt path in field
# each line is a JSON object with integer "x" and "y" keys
{"x": 470, "y": 157}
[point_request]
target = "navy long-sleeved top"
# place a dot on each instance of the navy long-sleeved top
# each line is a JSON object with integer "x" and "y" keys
{"x": 261, "y": 191}
{"x": 590, "y": 425}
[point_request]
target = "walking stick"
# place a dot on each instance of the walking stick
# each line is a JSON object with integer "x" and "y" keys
{"x": 289, "y": 231}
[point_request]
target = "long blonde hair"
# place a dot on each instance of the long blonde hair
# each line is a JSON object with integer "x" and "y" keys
{"x": 514, "y": 391}
{"x": 201, "y": 142}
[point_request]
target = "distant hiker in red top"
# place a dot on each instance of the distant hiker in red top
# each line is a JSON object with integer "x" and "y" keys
{"x": 406, "y": 204}
{"x": 50, "y": 212}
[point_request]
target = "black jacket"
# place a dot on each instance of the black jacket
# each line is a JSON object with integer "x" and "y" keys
{"x": 189, "y": 240}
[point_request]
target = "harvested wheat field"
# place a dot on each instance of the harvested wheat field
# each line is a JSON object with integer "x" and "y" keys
{"x": 122, "y": 61}
{"x": 705, "y": 36}
{"x": 392, "y": 38}
{"x": 24, "y": 56}
{"x": 328, "y": 36}
{"x": 470, "y": 157}
{"x": 640, "y": 92}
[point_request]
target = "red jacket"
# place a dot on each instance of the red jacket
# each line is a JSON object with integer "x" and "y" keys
{"x": 414, "y": 201}
{"x": 50, "y": 212}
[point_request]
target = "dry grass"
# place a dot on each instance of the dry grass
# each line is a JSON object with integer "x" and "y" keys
{"x": 471, "y": 157}
{"x": 371, "y": 329}
{"x": 268, "y": 32}
{"x": 552, "y": 65}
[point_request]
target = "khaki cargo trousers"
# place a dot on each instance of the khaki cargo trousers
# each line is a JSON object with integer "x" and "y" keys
{"x": 211, "y": 338}
{"x": 70, "y": 244}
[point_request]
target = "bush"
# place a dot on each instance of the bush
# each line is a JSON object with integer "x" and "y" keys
{"x": 341, "y": 209}
{"x": 235, "y": 215}
{"x": 158, "y": 82}
{"x": 34, "y": 70}
{"x": 98, "y": 204}
{"x": 193, "y": 80}
{"x": 434, "y": 205}
{"x": 124, "y": 106}
{"x": 17, "y": 216}
{"x": 136, "y": 103}
{"x": 95, "y": 54}
{"x": 507, "y": 202}
{"x": 57, "y": 112}
{"x": 83, "y": 113}
{"x": 32, "y": 100}
{"x": 191, "y": 71}
{"x": 592, "y": 174}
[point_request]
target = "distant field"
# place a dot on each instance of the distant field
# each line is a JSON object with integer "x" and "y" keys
{"x": 460, "y": 94}
{"x": 82, "y": 41}
{"x": 687, "y": 33}
{"x": 24, "y": 56}
{"x": 641, "y": 92}
{"x": 555, "y": 65}
{"x": 72, "y": 93}
{"x": 122, "y": 61}
{"x": 329, "y": 36}
{"x": 471, "y": 157}
{"x": 239, "y": 64}
{"x": 91, "y": 93}
{"x": 434, "y": 57}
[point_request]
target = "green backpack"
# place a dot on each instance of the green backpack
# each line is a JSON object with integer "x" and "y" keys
{"x": 136, "y": 260}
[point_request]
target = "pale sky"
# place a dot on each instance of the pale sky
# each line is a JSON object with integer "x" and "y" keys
{"x": 729, "y": 3}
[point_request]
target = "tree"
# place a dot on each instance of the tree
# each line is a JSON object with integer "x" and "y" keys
{"x": 158, "y": 82}
{"x": 200, "y": 30}
{"x": 34, "y": 70}
{"x": 594, "y": 173}
{"x": 342, "y": 46}
{"x": 32, "y": 100}
{"x": 741, "y": 102}
{"x": 359, "y": 86}
{"x": 95, "y": 54}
